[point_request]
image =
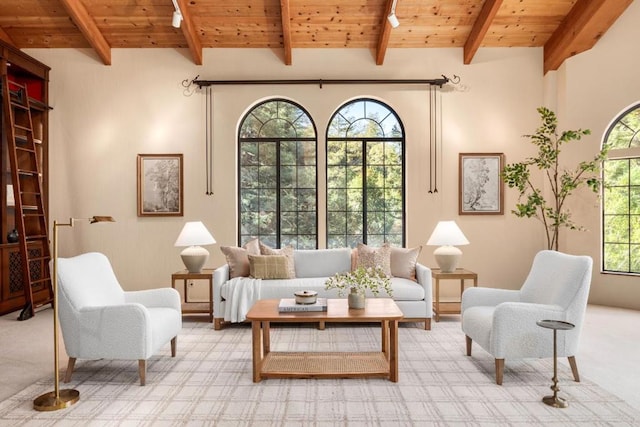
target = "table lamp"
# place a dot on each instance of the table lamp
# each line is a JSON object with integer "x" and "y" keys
{"x": 447, "y": 235}
{"x": 59, "y": 399}
{"x": 194, "y": 234}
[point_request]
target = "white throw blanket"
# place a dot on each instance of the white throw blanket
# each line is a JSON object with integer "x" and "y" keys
{"x": 242, "y": 293}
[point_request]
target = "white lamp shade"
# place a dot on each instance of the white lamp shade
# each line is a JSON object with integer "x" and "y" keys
{"x": 447, "y": 233}
{"x": 194, "y": 233}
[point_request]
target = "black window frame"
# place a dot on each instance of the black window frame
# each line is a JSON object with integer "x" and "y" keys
{"x": 278, "y": 141}
{"x": 364, "y": 140}
{"x": 628, "y": 157}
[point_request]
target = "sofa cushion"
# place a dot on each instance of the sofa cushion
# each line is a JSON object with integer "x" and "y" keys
{"x": 370, "y": 257}
{"x": 287, "y": 251}
{"x": 269, "y": 267}
{"x": 238, "y": 258}
{"x": 403, "y": 262}
{"x": 321, "y": 262}
{"x": 403, "y": 289}
{"x": 406, "y": 290}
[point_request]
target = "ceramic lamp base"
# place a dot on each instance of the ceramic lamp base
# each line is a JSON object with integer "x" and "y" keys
{"x": 194, "y": 258}
{"x": 447, "y": 258}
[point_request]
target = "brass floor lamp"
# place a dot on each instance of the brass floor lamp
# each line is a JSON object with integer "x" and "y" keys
{"x": 59, "y": 399}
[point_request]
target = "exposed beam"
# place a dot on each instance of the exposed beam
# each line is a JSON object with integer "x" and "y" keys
{"x": 87, "y": 26}
{"x": 189, "y": 31}
{"x": 285, "y": 13}
{"x": 480, "y": 28}
{"x": 580, "y": 30}
{"x": 385, "y": 33}
{"x": 6, "y": 38}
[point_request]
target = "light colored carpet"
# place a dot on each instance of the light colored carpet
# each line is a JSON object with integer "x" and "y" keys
{"x": 210, "y": 383}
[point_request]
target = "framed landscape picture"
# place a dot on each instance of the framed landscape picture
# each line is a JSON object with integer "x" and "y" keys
{"x": 160, "y": 187}
{"x": 481, "y": 190}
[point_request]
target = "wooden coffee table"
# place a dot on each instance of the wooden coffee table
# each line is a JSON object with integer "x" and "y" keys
{"x": 272, "y": 364}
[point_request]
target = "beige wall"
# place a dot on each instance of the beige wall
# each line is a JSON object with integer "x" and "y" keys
{"x": 594, "y": 88}
{"x": 104, "y": 116}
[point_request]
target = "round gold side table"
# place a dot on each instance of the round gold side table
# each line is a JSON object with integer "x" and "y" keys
{"x": 556, "y": 325}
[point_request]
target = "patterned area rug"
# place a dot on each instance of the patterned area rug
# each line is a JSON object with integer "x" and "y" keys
{"x": 210, "y": 383}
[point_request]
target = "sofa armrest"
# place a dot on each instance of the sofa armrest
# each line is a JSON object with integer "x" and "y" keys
{"x": 423, "y": 276}
{"x": 220, "y": 276}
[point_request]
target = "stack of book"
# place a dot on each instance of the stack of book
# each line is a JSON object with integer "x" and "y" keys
{"x": 290, "y": 305}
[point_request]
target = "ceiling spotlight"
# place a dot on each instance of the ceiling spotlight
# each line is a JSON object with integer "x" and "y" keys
{"x": 177, "y": 18}
{"x": 393, "y": 20}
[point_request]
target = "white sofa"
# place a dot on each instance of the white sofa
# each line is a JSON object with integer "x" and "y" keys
{"x": 314, "y": 267}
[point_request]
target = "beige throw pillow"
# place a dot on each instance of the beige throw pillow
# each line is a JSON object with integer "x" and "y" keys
{"x": 238, "y": 258}
{"x": 403, "y": 262}
{"x": 269, "y": 267}
{"x": 370, "y": 257}
{"x": 287, "y": 251}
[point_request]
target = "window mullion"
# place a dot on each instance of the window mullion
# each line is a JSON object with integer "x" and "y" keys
{"x": 364, "y": 192}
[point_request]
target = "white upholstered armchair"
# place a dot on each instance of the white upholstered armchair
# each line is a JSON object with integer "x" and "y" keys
{"x": 101, "y": 321}
{"x": 503, "y": 322}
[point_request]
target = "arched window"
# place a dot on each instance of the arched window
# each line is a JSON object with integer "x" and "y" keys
{"x": 277, "y": 199}
{"x": 621, "y": 199}
{"x": 365, "y": 175}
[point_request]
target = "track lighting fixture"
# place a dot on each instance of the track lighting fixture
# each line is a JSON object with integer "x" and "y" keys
{"x": 393, "y": 19}
{"x": 177, "y": 18}
{"x": 177, "y": 15}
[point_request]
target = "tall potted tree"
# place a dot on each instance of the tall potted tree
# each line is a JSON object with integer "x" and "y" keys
{"x": 561, "y": 182}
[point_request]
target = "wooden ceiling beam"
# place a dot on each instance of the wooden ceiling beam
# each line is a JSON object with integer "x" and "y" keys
{"x": 385, "y": 33}
{"x": 6, "y": 38}
{"x": 189, "y": 31}
{"x": 581, "y": 29}
{"x": 480, "y": 28}
{"x": 87, "y": 26}
{"x": 285, "y": 13}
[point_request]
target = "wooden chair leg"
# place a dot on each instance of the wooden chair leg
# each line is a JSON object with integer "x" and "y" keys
{"x": 174, "y": 344}
{"x": 499, "y": 370}
{"x": 321, "y": 325}
{"x": 468, "y": 345}
{"x": 427, "y": 324}
{"x": 142, "y": 370}
{"x": 70, "y": 366}
{"x": 574, "y": 368}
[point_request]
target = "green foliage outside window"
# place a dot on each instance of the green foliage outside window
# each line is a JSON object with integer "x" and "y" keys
{"x": 621, "y": 196}
{"x": 278, "y": 195}
{"x": 365, "y": 167}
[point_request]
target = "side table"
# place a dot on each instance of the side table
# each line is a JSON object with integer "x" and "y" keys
{"x": 193, "y": 307}
{"x": 450, "y": 307}
{"x": 555, "y": 325}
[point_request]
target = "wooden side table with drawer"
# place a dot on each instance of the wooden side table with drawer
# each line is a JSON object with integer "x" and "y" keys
{"x": 450, "y": 307}
{"x": 195, "y": 307}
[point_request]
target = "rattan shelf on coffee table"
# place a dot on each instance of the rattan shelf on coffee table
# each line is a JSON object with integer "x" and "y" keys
{"x": 268, "y": 364}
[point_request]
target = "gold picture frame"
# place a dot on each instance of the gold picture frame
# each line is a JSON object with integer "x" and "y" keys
{"x": 481, "y": 189}
{"x": 160, "y": 185}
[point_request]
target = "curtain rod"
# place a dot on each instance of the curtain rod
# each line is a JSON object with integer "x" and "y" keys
{"x": 320, "y": 82}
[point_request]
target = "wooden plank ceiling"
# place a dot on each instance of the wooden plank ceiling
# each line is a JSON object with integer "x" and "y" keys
{"x": 563, "y": 27}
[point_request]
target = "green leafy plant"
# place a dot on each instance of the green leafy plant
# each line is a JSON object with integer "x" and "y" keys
{"x": 360, "y": 279}
{"x": 561, "y": 182}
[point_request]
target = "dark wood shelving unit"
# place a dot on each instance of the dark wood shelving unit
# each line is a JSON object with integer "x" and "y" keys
{"x": 33, "y": 74}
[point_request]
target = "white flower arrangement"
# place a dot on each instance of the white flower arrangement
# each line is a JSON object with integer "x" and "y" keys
{"x": 359, "y": 280}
